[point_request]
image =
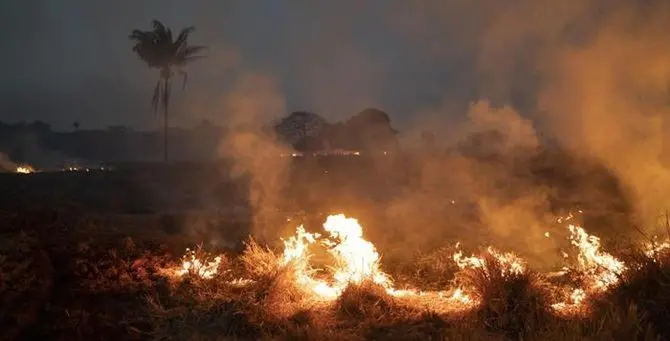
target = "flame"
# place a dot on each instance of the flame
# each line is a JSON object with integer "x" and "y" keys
{"x": 574, "y": 303}
{"x": 25, "y": 169}
{"x": 653, "y": 248}
{"x": 357, "y": 258}
{"x": 199, "y": 266}
{"x": 603, "y": 269}
{"x": 510, "y": 263}
{"x": 356, "y": 261}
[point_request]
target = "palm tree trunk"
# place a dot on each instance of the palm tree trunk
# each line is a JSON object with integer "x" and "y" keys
{"x": 166, "y": 104}
{"x": 165, "y": 134}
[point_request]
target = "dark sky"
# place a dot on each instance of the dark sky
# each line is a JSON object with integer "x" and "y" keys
{"x": 70, "y": 60}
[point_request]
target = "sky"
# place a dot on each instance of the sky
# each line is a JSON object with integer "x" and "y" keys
{"x": 71, "y": 60}
{"x": 593, "y": 75}
{"x": 421, "y": 61}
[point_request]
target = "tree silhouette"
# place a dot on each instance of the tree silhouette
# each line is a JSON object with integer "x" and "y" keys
{"x": 159, "y": 50}
{"x": 371, "y": 129}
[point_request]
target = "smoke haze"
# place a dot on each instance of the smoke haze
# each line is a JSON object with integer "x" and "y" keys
{"x": 590, "y": 75}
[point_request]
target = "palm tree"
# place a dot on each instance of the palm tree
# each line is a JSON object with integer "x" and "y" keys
{"x": 158, "y": 49}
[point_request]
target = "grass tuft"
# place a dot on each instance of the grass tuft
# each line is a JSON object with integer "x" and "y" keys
{"x": 512, "y": 304}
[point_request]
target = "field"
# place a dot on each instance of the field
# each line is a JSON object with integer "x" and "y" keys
{"x": 98, "y": 257}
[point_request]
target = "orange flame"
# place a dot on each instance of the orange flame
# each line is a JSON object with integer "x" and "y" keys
{"x": 193, "y": 265}
{"x": 356, "y": 261}
{"x": 653, "y": 248}
{"x": 603, "y": 269}
{"x": 25, "y": 169}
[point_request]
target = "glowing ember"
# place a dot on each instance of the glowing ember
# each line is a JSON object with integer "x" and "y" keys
{"x": 240, "y": 282}
{"x": 653, "y": 248}
{"x": 574, "y": 303}
{"x": 565, "y": 218}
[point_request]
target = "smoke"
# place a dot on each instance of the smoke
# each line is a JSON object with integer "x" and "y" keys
{"x": 6, "y": 164}
{"x": 597, "y": 76}
{"x": 608, "y": 98}
{"x": 251, "y": 105}
{"x": 589, "y": 75}
{"x": 483, "y": 191}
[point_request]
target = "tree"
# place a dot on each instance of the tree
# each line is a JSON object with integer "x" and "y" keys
{"x": 160, "y": 51}
{"x": 371, "y": 130}
{"x": 298, "y": 125}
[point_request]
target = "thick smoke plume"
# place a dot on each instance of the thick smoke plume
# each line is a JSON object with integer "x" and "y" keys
{"x": 482, "y": 190}
{"x": 599, "y": 75}
{"x": 589, "y": 75}
{"x": 608, "y": 98}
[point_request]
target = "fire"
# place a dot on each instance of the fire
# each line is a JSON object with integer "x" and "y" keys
{"x": 357, "y": 258}
{"x": 603, "y": 269}
{"x": 25, "y": 169}
{"x": 574, "y": 302}
{"x": 356, "y": 261}
{"x": 511, "y": 264}
{"x": 199, "y": 266}
{"x": 653, "y": 248}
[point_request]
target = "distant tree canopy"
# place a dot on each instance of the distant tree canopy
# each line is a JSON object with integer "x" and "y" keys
{"x": 369, "y": 130}
{"x": 299, "y": 125}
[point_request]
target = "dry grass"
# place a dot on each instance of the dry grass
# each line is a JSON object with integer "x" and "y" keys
{"x": 513, "y": 304}
{"x": 72, "y": 287}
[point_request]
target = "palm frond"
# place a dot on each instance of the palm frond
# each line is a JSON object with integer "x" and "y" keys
{"x": 139, "y": 35}
{"x": 182, "y": 38}
{"x": 187, "y": 54}
{"x": 168, "y": 36}
{"x": 191, "y": 50}
{"x": 158, "y": 26}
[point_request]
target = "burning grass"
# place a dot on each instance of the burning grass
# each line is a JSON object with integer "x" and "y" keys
{"x": 328, "y": 286}
{"x": 492, "y": 295}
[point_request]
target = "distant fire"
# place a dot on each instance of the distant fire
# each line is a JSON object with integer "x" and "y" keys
{"x": 25, "y": 169}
